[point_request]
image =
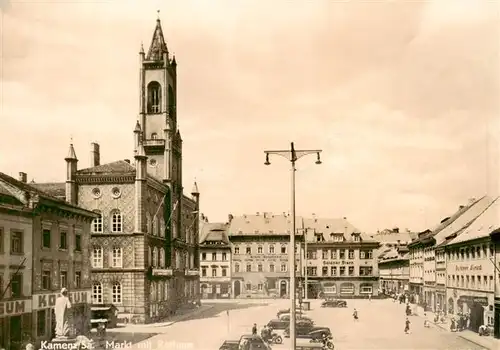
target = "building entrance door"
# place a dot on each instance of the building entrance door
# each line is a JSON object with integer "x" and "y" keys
{"x": 476, "y": 317}
{"x": 282, "y": 288}
{"x": 237, "y": 288}
{"x": 16, "y": 336}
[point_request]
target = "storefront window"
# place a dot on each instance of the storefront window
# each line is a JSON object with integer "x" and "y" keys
{"x": 41, "y": 322}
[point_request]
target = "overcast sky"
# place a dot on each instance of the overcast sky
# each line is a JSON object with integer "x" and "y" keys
{"x": 401, "y": 96}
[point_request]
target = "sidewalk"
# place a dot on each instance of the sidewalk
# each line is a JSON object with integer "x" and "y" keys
{"x": 488, "y": 342}
{"x": 155, "y": 327}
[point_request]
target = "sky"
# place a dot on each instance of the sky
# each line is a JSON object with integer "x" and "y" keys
{"x": 400, "y": 96}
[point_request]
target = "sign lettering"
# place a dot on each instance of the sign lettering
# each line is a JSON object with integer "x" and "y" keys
{"x": 15, "y": 307}
{"x": 336, "y": 262}
{"x": 42, "y": 301}
{"x": 468, "y": 267}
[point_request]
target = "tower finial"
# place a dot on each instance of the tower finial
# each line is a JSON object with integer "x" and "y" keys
{"x": 158, "y": 12}
{"x": 71, "y": 139}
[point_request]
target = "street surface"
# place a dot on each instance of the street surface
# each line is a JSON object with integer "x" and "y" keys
{"x": 380, "y": 326}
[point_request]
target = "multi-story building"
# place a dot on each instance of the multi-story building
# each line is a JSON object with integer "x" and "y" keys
{"x": 145, "y": 255}
{"x": 394, "y": 270}
{"x": 44, "y": 246}
{"x": 423, "y": 256}
{"x": 215, "y": 261}
{"x": 260, "y": 254}
{"x": 470, "y": 265}
{"x": 394, "y": 237}
{"x": 340, "y": 260}
{"x": 495, "y": 238}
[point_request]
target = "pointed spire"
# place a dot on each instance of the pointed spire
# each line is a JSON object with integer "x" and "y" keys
{"x": 141, "y": 52}
{"x": 158, "y": 46}
{"x": 140, "y": 151}
{"x": 174, "y": 62}
{"x": 195, "y": 191}
{"x": 137, "y": 127}
{"x": 71, "y": 153}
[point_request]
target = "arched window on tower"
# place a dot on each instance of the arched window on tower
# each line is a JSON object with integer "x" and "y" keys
{"x": 154, "y": 97}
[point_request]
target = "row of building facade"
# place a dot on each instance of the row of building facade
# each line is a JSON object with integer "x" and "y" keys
{"x": 118, "y": 235}
{"x": 248, "y": 257}
{"x": 454, "y": 267}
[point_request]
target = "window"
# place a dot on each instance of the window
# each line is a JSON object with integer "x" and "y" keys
{"x": 78, "y": 243}
{"x": 249, "y": 286}
{"x": 259, "y": 250}
{"x": 224, "y": 272}
{"x": 341, "y": 254}
{"x": 63, "y": 240}
{"x": 154, "y": 257}
{"x": 116, "y": 221}
{"x": 40, "y": 322}
{"x": 271, "y": 249}
{"x": 154, "y": 97}
{"x": 97, "y": 293}
{"x": 342, "y": 270}
{"x": 64, "y": 279}
{"x": 16, "y": 285}
{"x": 260, "y": 287}
{"x": 365, "y": 270}
{"x": 214, "y": 272}
{"x": 97, "y": 223}
{"x": 324, "y": 254}
{"x": 259, "y": 268}
{"x": 283, "y": 249}
{"x": 224, "y": 289}
{"x": 333, "y": 254}
{"x": 46, "y": 239}
{"x": 97, "y": 260}
{"x": 116, "y": 257}
{"x": 249, "y": 268}
{"x": 283, "y": 267}
{"x": 312, "y": 271}
{"x": 203, "y": 256}
{"x": 117, "y": 293}
{"x": 78, "y": 279}
{"x": 333, "y": 270}
{"x": 236, "y": 250}
{"x": 204, "y": 271}
{"x": 224, "y": 257}
{"x": 324, "y": 271}
{"x": 249, "y": 250}
{"x": 214, "y": 256}
{"x": 46, "y": 280}
{"x": 237, "y": 268}
{"x": 351, "y": 254}
{"x": 148, "y": 223}
{"x": 271, "y": 268}
{"x": 16, "y": 242}
{"x": 366, "y": 290}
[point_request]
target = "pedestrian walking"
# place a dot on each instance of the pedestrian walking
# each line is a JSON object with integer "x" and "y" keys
{"x": 355, "y": 315}
{"x": 370, "y": 297}
{"x": 407, "y": 326}
{"x": 254, "y": 329}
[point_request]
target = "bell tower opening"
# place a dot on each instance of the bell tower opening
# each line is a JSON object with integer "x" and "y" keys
{"x": 154, "y": 97}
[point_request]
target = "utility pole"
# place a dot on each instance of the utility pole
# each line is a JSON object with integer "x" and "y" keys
{"x": 292, "y": 156}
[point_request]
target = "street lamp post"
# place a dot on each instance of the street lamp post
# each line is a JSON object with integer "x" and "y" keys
{"x": 292, "y": 156}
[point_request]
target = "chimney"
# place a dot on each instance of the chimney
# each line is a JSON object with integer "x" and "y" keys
{"x": 23, "y": 177}
{"x": 257, "y": 213}
{"x": 230, "y": 217}
{"x": 345, "y": 218}
{"x": 461, "y": 207}
{"x": 395, "y": 230}
{"x": 127, "y": 160}
{"x": 95, "y": 156}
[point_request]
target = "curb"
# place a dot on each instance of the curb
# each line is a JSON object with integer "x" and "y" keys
{"x": 476, "y": 343}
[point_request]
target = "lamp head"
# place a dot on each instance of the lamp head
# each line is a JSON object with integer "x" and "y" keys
{"x": 267, "y": 160}
{"x": 318, "y": 160}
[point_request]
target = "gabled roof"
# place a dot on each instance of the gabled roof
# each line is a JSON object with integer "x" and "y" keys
{"x": 487, "y": 222}
{"x": 262, "y": 224}
{"x": 214, "y": 232}
{"x": 117, "y": 167}
{"x": 55, "y": 189}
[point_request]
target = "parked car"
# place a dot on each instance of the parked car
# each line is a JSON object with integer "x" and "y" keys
{"x": 307, "y": 330}
{"x": 256, "y": 342}
{"x": 334, "y": 303}
{"x": 286, "y": 317}
{"x": 287, "y": 311}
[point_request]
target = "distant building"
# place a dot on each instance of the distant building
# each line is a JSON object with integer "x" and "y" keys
{"x": 260, "y": 254}
{"x": 394, "y": 237}
{"x": 341, "y": 261}
{"x": 495, "y": 237}
{"x": 215, "y": 261}
{"x": 145, "y": 254}
{"x": 394, "y": 270}
{"x": 44, "y": 246}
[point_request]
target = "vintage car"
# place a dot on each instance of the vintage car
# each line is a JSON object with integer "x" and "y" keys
{"x": 286, "y": 317}
{"x": 278, "y": 324}
{"x": 287, "y": 311}
{"x": 253, "y": 341}
{"x": 309, "y": 331}
{"x": 334, "y": 303}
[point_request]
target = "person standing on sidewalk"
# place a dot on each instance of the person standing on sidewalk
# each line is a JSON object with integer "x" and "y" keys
{"x": 407, "y": 326}
{"x": 254, "y": 329}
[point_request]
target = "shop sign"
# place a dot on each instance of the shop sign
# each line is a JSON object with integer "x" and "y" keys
{"x": 337, "y": 262}
{"x": 15, "y": 307}
{"x": 472, "y": 299}
{"x": 262, "y": 256}
{"x": 42, "y": 301}
{"x": 471, "y": 267}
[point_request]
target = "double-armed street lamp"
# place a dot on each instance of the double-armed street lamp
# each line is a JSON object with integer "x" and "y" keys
{"x": 292, "y": 156}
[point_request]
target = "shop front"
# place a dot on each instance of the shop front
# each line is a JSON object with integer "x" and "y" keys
{"x": 44, "y": 318}
{"x": 15, "y": 324}
{"x": 479, "y": 306}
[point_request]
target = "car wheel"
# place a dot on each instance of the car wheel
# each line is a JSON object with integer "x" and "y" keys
{"x": 329, "y": 345}
{"x": 278, "y": 340}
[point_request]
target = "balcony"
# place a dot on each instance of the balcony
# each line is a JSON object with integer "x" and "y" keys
{"x": 163, "y": 272}
{"x": 154, "y": 143}
{"x": 192, "y": 272}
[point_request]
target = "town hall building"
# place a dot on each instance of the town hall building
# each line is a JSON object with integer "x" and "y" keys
{"x": 144, "y": 245}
